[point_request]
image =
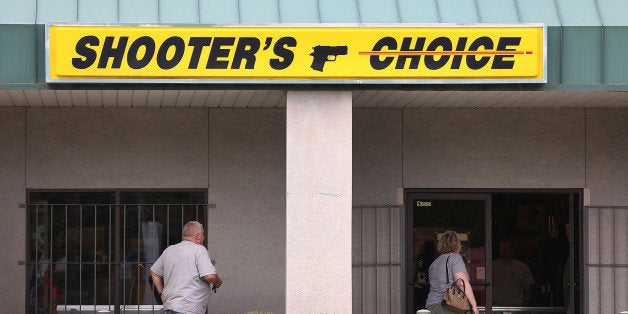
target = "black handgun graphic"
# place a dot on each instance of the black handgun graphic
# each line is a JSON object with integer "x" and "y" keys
{"x": 323, "y": 54}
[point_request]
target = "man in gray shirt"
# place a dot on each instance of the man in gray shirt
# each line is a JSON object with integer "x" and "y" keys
{"x": 183, "y": 274}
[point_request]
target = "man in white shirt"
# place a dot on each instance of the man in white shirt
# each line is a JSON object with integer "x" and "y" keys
{"x": 184, "y": 273}
{"x": 512, "y": 280}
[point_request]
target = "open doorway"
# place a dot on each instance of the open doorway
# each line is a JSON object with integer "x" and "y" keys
{"x": 517, "y": 244}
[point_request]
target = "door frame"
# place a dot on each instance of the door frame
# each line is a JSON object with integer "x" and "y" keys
{"x": 409, "y": 220}
{"x": 576, "y": 248}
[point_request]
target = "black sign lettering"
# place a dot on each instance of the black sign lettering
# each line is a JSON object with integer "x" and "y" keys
{"x": 162, "y": 54}
{"x": 457, "y": 59}
{"x": 108, "y": 51}
{"x": 472, "y": 62}
{"x": 430, "y": 61}
{"x": 286, "y": 55}
{"x": 245, "y": 50}
{"x": 149, "y": 51}
{"x": 414, "y": 60}
{"x": 388, "y": 42}
{"x": 198, "y": 43}
{"x": 502, "y": 45}
{"x": 217, "y": 51}
{"x": 88, "y": 55}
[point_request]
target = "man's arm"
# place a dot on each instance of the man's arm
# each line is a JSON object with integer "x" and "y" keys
{"x": 213, "y": 279}
{"x": 158, "y": 281}
{"x": 527, "y": 295}
{"x": 528, "y": 282}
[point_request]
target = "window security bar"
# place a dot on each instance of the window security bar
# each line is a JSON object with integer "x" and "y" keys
{"x": 377, "y": 257}
{"x": 603, "y": 219}
{"x": 92, "y": 257}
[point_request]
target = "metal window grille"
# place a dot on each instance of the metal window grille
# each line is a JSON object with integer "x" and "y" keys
{"x": 606, "y": 264}
{"x": 88, "y": 258}
{"x": 376, "y": 259}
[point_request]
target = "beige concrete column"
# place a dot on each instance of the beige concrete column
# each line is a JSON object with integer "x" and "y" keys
{"x": 318, "y": 202}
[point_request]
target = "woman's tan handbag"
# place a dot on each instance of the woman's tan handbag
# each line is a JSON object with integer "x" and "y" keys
{"x": 455, "y": 299}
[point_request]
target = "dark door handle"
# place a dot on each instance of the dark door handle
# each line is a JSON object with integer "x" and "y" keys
{"x": 417, "y": 284}
{"x": 486, "y": 284}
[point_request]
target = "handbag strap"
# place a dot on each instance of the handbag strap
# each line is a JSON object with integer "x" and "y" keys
{"x": 446, "y": 269}
{"x": 447, "y": 275}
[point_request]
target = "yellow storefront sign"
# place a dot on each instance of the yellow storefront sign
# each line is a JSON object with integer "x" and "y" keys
{"x": 396, "y": 53}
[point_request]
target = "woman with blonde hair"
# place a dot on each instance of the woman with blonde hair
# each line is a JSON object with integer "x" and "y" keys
{"x": 448, "y": 263}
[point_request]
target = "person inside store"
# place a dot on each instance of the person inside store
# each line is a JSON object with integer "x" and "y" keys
{"x": 512, "y": 279}
{"x": 448, "y": 264}
{"x": 567, "y": 275}
{"x": 424, "y": 251}
{"x": 184, "y": 273}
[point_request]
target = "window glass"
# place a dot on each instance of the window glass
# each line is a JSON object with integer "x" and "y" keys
{"x": 530, "y": 249}
{"x": 72, "y": 245}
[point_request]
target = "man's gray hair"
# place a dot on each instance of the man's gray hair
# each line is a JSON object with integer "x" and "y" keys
{"x": 191, "y": 228}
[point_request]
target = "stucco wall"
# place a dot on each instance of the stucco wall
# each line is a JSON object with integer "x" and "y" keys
{"x": 248, "y": 226}
{"x": 117, "y": 148}
{"x": 377, "y": 151}
{"x": 13, "y": 218}
{"x": 607, "y": 155}
{"x": 493, "y": 148}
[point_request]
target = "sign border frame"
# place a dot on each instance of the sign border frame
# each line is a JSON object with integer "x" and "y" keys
{"x": 270, "y": 81}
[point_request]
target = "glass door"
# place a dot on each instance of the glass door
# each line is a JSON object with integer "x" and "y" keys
{"x": 536, "y": 258}
{"x": 428, "y": 215}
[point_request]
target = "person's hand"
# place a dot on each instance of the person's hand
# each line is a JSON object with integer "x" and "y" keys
{"x": 475, "y": 310}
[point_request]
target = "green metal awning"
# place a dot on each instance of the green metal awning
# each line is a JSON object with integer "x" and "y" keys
{"x": 549, "y": 12}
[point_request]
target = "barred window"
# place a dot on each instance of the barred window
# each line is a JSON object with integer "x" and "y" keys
{"x": 91, "y": 251}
